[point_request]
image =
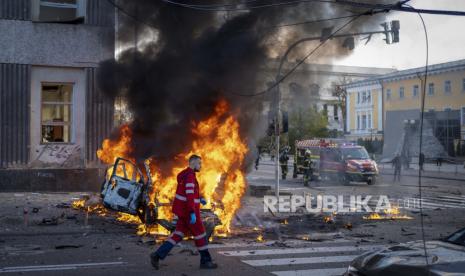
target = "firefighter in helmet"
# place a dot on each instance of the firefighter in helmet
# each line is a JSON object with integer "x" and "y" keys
{"x": 283, "y": 158}
{"x": 307, "y": 166}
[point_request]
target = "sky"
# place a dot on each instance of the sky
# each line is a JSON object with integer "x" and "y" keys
{"x": 446, "y": 39}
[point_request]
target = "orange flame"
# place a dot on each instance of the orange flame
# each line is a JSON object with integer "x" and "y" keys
{"x": 391, "y": 213}
{"x": 217, "y": 140}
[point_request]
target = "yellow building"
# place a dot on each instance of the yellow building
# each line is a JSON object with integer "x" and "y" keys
{"x": 364, "y": 107}
{"x": 396, "y": 103}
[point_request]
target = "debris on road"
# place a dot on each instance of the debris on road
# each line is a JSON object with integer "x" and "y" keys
{"x": 68, "y": 246}
{"x": 63, "y": 205}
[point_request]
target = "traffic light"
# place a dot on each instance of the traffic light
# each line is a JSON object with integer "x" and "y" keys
{"x": 285, "y": 119}
{"x": 391, "y": 31}
{"x": 395, "y": 27}
{"x": 326, "y": 33}
{"x": 349, "y": 43}
{"x": 271, "y": 128}
{"x": 387, "y": 32}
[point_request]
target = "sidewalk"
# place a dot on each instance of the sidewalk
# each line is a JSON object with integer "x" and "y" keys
{"x": 446, "y": 171}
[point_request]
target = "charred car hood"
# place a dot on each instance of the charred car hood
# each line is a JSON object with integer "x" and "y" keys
{"x": 409, "y": 259}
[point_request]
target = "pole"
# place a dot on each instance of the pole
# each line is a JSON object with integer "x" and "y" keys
{"x": 276, "y": 161}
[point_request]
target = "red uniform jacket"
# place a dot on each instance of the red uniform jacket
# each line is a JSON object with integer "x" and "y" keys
{"x": 187, "y": 198}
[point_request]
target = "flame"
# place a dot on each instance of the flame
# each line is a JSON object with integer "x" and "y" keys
{"x": 260, "y": 238}
{"x": 222, "y": 181}
{"x": 78, "y": 204}
{"x": 328, "y": 219}
{"x": 120, "y": 148}
{"x": 390, "y": 213}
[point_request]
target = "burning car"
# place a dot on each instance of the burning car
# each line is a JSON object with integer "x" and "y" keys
{"x": 126, "y": 189}
{"x": 445, "y": 257}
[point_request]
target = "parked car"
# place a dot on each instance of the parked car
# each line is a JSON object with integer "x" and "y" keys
{"x": 445, "y": 257}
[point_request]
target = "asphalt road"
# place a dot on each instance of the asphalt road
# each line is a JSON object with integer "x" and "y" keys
{"x": 103, "y": 248}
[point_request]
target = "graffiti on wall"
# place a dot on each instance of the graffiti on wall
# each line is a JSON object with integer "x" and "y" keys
{"x": 67, "y": 156}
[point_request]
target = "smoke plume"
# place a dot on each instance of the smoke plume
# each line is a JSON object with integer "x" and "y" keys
{"x": 193, "y": 58}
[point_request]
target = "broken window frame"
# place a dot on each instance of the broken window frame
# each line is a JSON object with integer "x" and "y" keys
{"x": 80, "y": 6}
{"x": 69, "y": 123}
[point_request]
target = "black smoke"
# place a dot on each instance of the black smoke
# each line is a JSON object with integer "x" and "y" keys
{"x": 196, "y": 58}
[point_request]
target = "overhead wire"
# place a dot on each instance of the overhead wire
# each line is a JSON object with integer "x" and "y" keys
{"x": 395, "y": 6}
{"x": 285, "y": 76}
{"x": 319, "y": 20}
{"x": 238, "y": 8}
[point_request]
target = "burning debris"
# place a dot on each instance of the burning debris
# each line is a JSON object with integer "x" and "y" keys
{"x": 216, "y": 139}
{"x": 388, "y": 214}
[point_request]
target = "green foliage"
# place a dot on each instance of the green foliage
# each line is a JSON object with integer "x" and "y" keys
{"x": 374, "y": 146}
{"x": 306, "y": 123}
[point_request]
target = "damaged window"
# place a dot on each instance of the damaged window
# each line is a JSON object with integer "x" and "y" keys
{"x": 56, "y": 110}
{"x": 123, "y": 114}
{"x": 65, "y": 11}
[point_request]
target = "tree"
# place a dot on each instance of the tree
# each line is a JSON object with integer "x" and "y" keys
{"x": 306, "y": 123}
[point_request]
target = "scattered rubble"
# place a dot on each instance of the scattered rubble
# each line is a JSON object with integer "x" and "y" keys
{"x": 67, "y": 246}
{"x": 63, "y": 205}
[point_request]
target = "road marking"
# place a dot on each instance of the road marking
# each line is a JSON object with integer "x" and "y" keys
{"x": 312, "y": 272}
{"x": 295, "y": 261}
{"x": 433, "y": 202}
{"x": 447, "y": 200}
{"x": 12, "y": 269}
{"x": 261, "y": 244}
{"x": 298, "y": 250}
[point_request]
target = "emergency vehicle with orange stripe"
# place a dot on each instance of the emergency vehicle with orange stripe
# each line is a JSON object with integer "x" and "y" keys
{"x": 335, "y": 159}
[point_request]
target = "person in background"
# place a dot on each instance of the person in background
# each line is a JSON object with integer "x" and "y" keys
{"x": 397, "y": 164}
{"x": 421, "y": 161}
{"x": 283, "y": 158}
{"x": 257, "y": 160}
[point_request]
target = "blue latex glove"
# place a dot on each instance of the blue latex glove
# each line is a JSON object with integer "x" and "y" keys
{"x": 193, "y": 219}
{"x": 203, "y": 201}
